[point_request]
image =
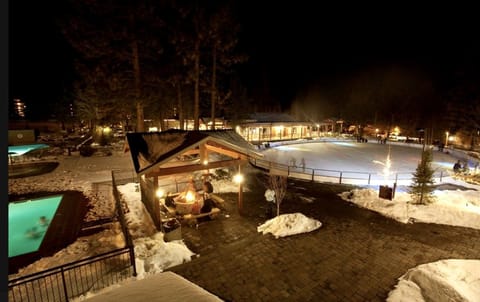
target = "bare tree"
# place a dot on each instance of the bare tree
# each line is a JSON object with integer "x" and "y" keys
{"x": 463, "y": 112}
{"x": 278, "y": 184}
{"x": 94, "y": 103}
{"x": 121, "y": 35}
{"x": 180, "y": 38}
{"x": 188, "y": 38}
{"x": 222, "y": 40}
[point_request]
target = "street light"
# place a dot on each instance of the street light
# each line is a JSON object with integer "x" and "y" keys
{"x": 446, "y": 138}
{"x": 160, "y": 193}
{"x": 238, "y": 178}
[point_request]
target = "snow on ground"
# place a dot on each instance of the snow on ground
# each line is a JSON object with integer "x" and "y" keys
{"x": 169, "y": 286}
{"x": 452, "y": 207}
{"x": 152, "y": 253}
{"x": 455, "y": 278}
{"x": 444, "y": 280}
{"x": 289, "y": 224}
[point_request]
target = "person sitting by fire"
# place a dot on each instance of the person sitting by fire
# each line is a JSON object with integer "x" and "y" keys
{"x": 207, "y": 189}
{"x": 169, "y": 201}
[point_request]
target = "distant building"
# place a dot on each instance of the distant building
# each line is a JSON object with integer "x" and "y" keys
{"x": 205, "y": 123}
{"x": 220, "y": 123}
{"x": 262, "y": 127}
{"x": 259, "y": 128}
{"x": 19, "y": 108}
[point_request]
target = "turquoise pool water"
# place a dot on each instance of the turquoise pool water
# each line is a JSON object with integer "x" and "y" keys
{"x": 21, "y": 150}
{"x": 25, "y": 230}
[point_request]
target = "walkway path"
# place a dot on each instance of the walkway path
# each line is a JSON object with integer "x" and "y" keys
{"x": 357, "y": 255}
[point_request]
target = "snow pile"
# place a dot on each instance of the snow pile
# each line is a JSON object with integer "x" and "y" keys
{"x": 289, "y": 224}
{"x": 153, "y": 255}
{"x": 140, "y": 223}
{"x": 444, "y": 280}
{"x": 453, "y": 207}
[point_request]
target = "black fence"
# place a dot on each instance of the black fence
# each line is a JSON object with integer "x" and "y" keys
{"x": 121, "y": 218}
{"x": 340, "y": 177}
{"x": 74, "y": 279}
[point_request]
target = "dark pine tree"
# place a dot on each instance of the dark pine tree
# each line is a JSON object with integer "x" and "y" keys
{"x": 422, "y": 181}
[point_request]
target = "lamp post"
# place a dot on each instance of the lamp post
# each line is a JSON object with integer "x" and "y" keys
{"x": 159, "y": 194}
{"x": 446, "y": 138}
{"x": 156, "y": 204}
{"x": 238, "y": 178}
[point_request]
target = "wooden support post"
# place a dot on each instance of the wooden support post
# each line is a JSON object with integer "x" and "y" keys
{"x": 240, "y": 193}
{"x": 156, "y": 204}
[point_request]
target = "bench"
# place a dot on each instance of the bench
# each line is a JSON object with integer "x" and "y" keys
{"x": 191, "y": 219}
{"x": 219, "y": 201}
{"x": 171, "y": 210}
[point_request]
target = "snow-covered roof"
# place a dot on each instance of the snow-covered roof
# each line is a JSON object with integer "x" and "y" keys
{"x": 165, "y": 286}
{"x": 149, "y": 149}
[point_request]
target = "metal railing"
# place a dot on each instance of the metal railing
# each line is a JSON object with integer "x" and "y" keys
{"x": 337, "y": 176}
{"x": 123, "y": 222}
{"x": 73, "y": 279}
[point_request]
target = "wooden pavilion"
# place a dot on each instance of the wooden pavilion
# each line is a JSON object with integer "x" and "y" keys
{"x": 163, "y": 154}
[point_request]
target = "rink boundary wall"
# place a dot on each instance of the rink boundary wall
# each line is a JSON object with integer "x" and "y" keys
{"x": 340, "y": 177}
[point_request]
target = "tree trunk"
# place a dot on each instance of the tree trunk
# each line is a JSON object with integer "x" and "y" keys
{"x": 181, "y": 118}
{"x": 92, "y": 125}
{"x": 196, "y": 105}
{"x": 213, "y": 88}
{"x": 472, "y": 140}
{"x": 278, "y": 208}
{"x": 136, "y": 74}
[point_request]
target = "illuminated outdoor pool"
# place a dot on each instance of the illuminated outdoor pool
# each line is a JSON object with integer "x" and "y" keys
{"x": 23, "y": 149}
{"x": 26, "y": 230}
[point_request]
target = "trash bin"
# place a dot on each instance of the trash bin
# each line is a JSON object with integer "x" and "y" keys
{"x": 386, "y": 192}
{"x": 270, "y": 210}
{"x": 172, "y": 230}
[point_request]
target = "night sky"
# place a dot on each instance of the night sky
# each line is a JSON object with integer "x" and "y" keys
{"x": 292, "y": 45}
{"x": 40, "y": 62}
{"x": 306, "y": 45}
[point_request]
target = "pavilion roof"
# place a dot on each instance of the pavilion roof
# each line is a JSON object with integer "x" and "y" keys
{"x": 152, "y": 149}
